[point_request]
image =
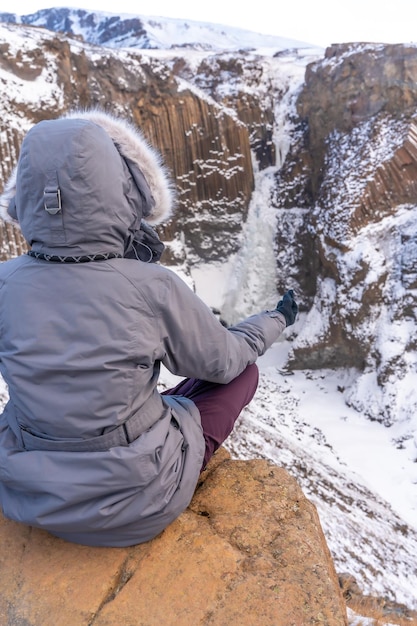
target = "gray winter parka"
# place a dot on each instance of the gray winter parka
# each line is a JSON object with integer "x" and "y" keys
{"x": 89, "y": 450}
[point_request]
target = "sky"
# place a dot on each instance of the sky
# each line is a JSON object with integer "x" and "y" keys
{"x": 319, "y": 22}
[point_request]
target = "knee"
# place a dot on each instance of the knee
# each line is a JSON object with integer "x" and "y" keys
{"x": 253, "y": 370}
{"x": 251, "y": 376}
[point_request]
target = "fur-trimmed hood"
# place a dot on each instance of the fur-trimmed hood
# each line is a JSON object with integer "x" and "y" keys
{"x": 136, "y": 151}
{"x": 140, "y": 161}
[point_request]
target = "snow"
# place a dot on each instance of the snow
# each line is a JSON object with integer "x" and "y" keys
{"x": 358, "y": 620}
{"x": 304, "y": 416}
{"x": 385, "y": 469}
{"x": 163, "y": 32}
{"x": 252, "y": 282}
{"x": 378, "y": 257}
{"x": 360, "y": 474}
{"x": 348, "y": 170}
{"x": 22, "y": 45}
{"x": 205, "y": 276}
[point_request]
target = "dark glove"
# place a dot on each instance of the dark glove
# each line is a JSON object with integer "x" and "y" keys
{"x": 288, "y": 307}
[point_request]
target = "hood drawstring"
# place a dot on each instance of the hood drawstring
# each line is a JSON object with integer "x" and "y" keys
{"x": 145, "y": 245}
{"x": 138, "y": 254}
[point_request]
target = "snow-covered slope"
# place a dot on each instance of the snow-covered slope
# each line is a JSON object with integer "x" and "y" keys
{"x": 361, "y": 475}
{"x": 144, "y": 31}
{"x": 363, "y": 483}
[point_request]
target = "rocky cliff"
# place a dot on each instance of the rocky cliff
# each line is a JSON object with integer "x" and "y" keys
{"x": 341, "y": 141}
{"x": 353, "y": 169}
{"x": 205, "y": 146}
{"x": 248, "y": 550}
{"x": 294, "y": 177}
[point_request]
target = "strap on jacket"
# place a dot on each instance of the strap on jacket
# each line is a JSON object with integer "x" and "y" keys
{"x": 121, "y": 435}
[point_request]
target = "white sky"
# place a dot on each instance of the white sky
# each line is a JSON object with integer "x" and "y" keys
{"x": 320, "y": 22}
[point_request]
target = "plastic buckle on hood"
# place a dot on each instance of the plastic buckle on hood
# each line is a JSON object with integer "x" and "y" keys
{"x": 52, "y": 200}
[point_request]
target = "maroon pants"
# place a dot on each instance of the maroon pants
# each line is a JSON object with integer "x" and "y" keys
{"x": 219, "y": 405}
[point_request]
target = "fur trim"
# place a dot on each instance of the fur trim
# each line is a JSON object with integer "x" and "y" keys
{"x": 131, "y": 143}
{"x": 8, "y": 194}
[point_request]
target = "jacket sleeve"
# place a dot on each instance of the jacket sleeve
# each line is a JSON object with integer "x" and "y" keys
{"x": 195, "y": 344}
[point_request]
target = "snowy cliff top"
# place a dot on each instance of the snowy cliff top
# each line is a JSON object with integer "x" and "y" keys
{"x": 144, "y": 31}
